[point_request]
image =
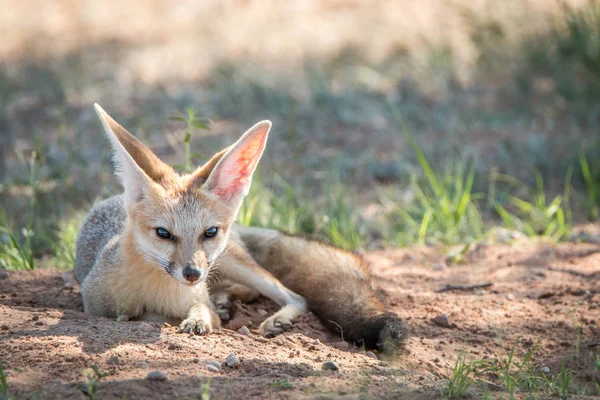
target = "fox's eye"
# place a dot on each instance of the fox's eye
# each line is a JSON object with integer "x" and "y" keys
{"x": 211, "y": 232}
{"x": 164, "y": 234}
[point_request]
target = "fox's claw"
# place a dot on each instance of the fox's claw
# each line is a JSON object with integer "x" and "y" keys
{"x": 197, "y": 326}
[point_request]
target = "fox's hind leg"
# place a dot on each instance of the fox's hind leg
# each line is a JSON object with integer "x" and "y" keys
{"x": 238, "y": 266}
{"x": 224, "y": 294}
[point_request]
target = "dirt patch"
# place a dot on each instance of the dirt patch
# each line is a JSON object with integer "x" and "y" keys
{"x": 543, "y": 297}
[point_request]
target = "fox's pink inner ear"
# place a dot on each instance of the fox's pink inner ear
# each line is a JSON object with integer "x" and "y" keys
{"x": 231, "y": 177}
{"x": 240, "y": 170}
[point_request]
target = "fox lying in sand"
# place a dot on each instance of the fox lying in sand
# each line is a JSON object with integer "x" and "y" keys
{"x": 148, "y": 252}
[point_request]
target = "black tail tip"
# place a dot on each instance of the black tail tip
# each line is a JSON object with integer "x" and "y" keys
{"x": 385, "y": 332}
{"x": 392, "y": 334}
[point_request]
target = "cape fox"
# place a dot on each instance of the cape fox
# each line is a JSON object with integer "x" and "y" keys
{"x": 148, "y": 253}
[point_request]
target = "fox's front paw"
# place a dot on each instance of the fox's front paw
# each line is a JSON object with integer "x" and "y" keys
{"x": 195, "y": 325}
{"x": 275, "y": 325}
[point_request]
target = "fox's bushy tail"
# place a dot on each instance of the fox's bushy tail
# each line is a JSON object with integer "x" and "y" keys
{"x": 335, "y": 283}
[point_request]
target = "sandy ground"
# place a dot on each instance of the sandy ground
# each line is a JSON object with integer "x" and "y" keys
{"x": 541, "y": 295}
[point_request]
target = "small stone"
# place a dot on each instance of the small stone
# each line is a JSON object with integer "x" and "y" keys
{"x": 341, "y": 345}
{"x": 4, "y": 327}
{"x": 370, "y": 354}
{"x": 439, "y": 266}
{"x": 39, "y": 323}
{"x": 145, "y": 327}
{"x": 195, "y": 360}
{"x": 142, "y": 365}
{"x": 68, "y": 278}
{"x": 261, "y": 339}
{"x": 157, "y": 375}
{"x": 510, "y": 296}
{"x": 383, "y": 363}
{"x": 545, "y": 370}
{"x": 114, "y": 360}
{"x": 329, "y": 366}
{"x": 442, "y": 320}
{"x": 262, "y": 312}
{"x": 232, "y": 360}
{"x": 3, "y": 275}
{"x": 244, "y": 331}
{"x": 35, "y": 318}
{"x": 123, "y": 318}
{"x": 213, "y": 366}
{"x": 175, "y": 346}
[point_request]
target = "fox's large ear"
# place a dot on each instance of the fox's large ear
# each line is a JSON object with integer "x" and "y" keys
{"x": 137, "y": 167}
{"x": 231, "y": 170}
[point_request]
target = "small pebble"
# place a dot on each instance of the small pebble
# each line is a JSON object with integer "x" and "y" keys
{"x": 213, "y": 366}
{"x": 261, "y": 339}
{"x": 145, "y": 327}
{"x": 545, "y": 370}
{"x": 329, "y": 366}
{"x": 3, "y": 275}
{"x": 195, "y": 360}
{"x": 262, "y": 312}
{"x": 341, "y": 346}
{"x": 232, "y": 360}
{"x": 510, "y": 296}
{"x": 175, "y": 346}
{"x": 35, "y": 318}
{"x": 438, "y": 266}
{"x": 142, "y": 365}
{"x": 39, "y": 323}
{"x": 114, "y": 360}
{"x": 123, "y": 318}
{"x": 157, "y": 375}
{"x": 4, "y": 327}
{"x": 442, "y": 320}
{"x": 244, "y": 331}
{"x": 383, "y": 363}
{"x": 370, "y": 354}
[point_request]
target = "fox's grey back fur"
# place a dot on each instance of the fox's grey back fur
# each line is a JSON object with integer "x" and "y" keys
{"x": 104, "y": 222}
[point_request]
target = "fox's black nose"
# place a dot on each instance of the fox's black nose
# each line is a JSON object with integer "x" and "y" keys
{"x": 191, "y": 274}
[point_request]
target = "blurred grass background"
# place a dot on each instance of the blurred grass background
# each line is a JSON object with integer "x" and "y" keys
{"x": 395, "y": 123}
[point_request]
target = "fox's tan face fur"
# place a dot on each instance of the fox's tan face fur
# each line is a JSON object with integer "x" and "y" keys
{"x": 179, "y": 224}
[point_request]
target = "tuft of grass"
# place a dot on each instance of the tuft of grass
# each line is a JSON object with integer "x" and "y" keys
{"x": 444, "y": 207}
{"x": 342, "y": 224}
{"x": 205, "y": 390}
{"x": 580, "y": 39}
{"x": 559, "y": 384}
{"x": 15, "y": 253}
{"x": 277, "y": 206}
{"x": 3, "y": 385}
{"x": 64, "y": 246}
{"x": 534, "y": 215}
{"x": 591, "y": 204}
{"x": 461, "y": 377}
{"x": 514, "y": 374}
{"x": 281, "y": 385}
{"x": 90, "y": 386}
